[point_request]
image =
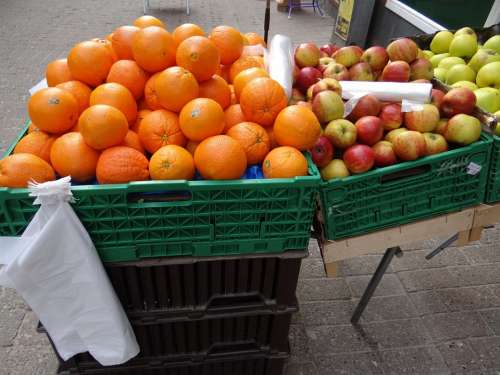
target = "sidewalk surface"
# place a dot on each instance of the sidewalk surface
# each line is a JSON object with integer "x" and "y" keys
{"x": 427, "y": 317}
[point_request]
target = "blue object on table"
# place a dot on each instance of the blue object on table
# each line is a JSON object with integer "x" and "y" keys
{"x": 312, "y": 4}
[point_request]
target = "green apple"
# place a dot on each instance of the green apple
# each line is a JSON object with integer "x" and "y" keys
{"x": 488, "y": 98}
{"x": 463, "y": 45}
{"x": 489, "y": 75}
{"x": 467, "y": 84}
{"x": 466, "y": 31}
{"x": 440, "y": 73}
{"x": 428, "y": 54}
{"x": 493, "y": 43}
{"x": 460, "y": 73}
{"x": 483, "y": 57}
{"x": 437, "y": 58}
{"x": 441, "y": 41}
{"x": 335, "y": 169}
{"x": 448, "y": 62}
{"x": 463, "y": 129}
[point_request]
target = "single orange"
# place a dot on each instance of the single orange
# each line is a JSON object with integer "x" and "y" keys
{"x": 80, "y": 91}
{"x": 284, "y": 162}
{"x": 57, "y": 72}
{"x": 229, "y": 43}
{"x": 201, "y": 118}
{"x": 160, "y": 128}
{"x": 150, "y": 93}
{"x": 132, "y": 140}
{"x": 122, "y": 41}
{"x": 217, "y": 89}
{"x": 36, "y": 143}
{"x": 297, "y": 126}
{"x": 232, "y": 116}
{"x": 254, "y": 140}
{"x": 246, "y": 76}
{"x": 153, "y": 49}
{"x": 186, "y": 30}
{"x": 90, "y": 61}
{"x": 243, "y": 63}
{"x": 117, "y": 96}
{"x": 140, "y": 115}
{"x": 200, "y": 56}
{"x": 171, "y": 162}
{"x": 121, "y": 164}
{"x": 129, "y": 74}
{"x": 103, "y": 126}
{"x": 18, "y": 169}
{"x": 145, "y": 21}
{"x": 175, "y": 87}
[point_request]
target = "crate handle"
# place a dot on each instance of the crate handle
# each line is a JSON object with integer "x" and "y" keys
{"x": 229, "y": 300}
{"x": 394, "y": 177}
{"x": 225, "y": 348}
{"x": 160, "y": 198}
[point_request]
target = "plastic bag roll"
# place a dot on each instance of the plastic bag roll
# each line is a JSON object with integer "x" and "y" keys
{"x": 280, "y": 62}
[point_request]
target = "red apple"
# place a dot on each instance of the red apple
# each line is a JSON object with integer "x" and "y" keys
{"x": 437, "y": 98}
{"x": 458, "y": 100}
{"x": 421, "y": 69}
{"x": 307, "y": 77}
{"x": 307, "y": 54}
{"x": 329, "y": 49}
{"x": 435, "y": 143}
{"x": 361, "y": 72}
{"x": 391, "y": 116}
{"x": 359, "y": 158}
{"x": 396, "y": 71}
{"x": 336, "y": 71}
{"x": 348, "y": 56}
{"x": 384, "y": 154}
{"x": 376, "y": 56}
{"x": 409, "y": 145}
{"x": 368, "y": 105}
{"x": 422, "y": 121}
{"x": 297, "y": 96}
{"x": 341, "y": 133}
{"x": 296, "y": 71}
{"x": 328, "y": 106}
{"x": 369, "y": 130}
{"x": 322, "y": 152}
{"x": 403, "y": 49}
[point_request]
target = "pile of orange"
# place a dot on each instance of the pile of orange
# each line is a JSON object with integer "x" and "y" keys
{"x": 143, "y": 103}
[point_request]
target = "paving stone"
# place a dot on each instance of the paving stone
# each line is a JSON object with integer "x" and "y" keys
{"x": 322, "y": 289}
{"x": 436, "y": 278}
{"x": 10, "y": 320}
{"x": 389, "y": 285}
{"x": 477, "y": 274}
{"x": 488, "y": 350}
{"x": 388, "y": 308}
{"x": 314, "y": 251}
{"x": 367, "y": 363}
{"x": 496, "y": 289}
{"x": 299, "y": 344}
{"x": 308, "y": 368}
{"x": 414, "y": 260}
{"x": 482, "y": 253}
{"x": 492, "y": 318}
{"x": 312, "y": 268}
{"x": 456, "y": 325}
{"x": 423, "y": 360}
{"x": 427, "y": 302}
{"x": 363, "y": 265}
{"x": 468, "y": 298}
{"x": 459, "y": 357}
{"x": 324, "y": 312}
{"x": 325, "y": 340}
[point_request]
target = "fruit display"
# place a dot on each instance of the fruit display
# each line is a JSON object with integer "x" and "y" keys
{"x": 145, "y": 103}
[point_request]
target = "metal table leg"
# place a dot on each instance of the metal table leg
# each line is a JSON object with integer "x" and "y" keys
{"x": 375, "y": 280}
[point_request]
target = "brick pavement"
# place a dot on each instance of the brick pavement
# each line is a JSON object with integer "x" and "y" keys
{"x": 436, "y": 317}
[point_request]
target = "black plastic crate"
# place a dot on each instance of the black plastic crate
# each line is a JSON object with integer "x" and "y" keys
{"x": 197, "y": 286}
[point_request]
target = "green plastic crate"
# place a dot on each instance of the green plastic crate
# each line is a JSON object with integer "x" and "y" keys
{"x": 405, "y": 192}
{"x": 173, "y": 218}
{"x": 493, "y": 187}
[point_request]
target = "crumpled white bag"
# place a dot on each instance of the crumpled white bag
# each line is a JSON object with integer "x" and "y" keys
{"x": 54, "y": 266}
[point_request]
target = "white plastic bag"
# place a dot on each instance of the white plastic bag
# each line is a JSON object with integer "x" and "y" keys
{"x": 54, "y": 266}
{"x": 280, "y": 62}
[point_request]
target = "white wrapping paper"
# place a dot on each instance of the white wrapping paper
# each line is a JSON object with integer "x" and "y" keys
{"x": 281, "y": 62}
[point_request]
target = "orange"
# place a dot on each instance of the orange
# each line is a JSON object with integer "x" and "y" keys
{"x": 243, "y": 63}
{"x": 224, "y": 72}
{"x": 175, "y": 87}
{"x": 53, "y": 110}
{"x": 160, "y": 128}
{"x": 217, "y": 89}
{"x": 171, "y": 162}
{"x": 297, "y": 126}
{"x": 121, "y": 41}
{"x": 36, "y": 143}
{"x": 150, "y": 93}
{"x": 261, "y": 100}
{"x": 57, "y": 72}
{"x": 107, "y": 43}
{"x": 272, "y": 140}
{"x": 71, "y": 156}
{"x": 140, "y": 115}
{"x": 103, "y": 126}
{"x": 254, "y": 140}
{"x": 132, "y": 140}
{"x": 191, "y": 146}
{"x": 121, "y": 164}
{"x": 201, "y": 118}
{"x": 18, "y": 169}
{"x": 254, "y": 38}
{"x": 80, "y": 91}
{"x": 200, "y": 56}
{"x": 90, "y": 61}
{"x": 229, "y": 43}
{"x": 117, "y": 96}
{"x": 186, "y": 30}
{"x": 232, "y": 116}
{"x": 129, "y": 74}
{"x": 154, "y": 49}
{"x": 246, "y": 76}
{"x": 220, "y": 158}
{"x": 145, "y": 21}
{"x": 32, "y": 128}
{"x": 284, "y": 162}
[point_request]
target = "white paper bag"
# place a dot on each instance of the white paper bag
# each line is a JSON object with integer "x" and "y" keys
{"x": 54, "y": 266}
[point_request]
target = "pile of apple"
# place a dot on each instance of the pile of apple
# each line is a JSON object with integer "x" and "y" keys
{"x": 460, "y": 61}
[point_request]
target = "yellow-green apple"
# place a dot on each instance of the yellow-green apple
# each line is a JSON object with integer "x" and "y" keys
{"x": 440, "y": 73}
{"x": 329, "y": 48}
{"x": 489, "y": 75}
{"x": 296, "y": 97}
{"x": 322, "y": 152}
{"x": 308, "y": 76}
{"x": 437, "y": 98}
{"x": 493, "y": 43}
{"x": 460, "y": 73}
{"x": 348, "y": 56}
{"x": 359, "y": 158}
{"x": 488, "y": 99}
{"x": 396, "y": 71}
{"x": 335, "y": 169}
{"x": 463, "y": 45}
{"x": 421, "y": 69}
{"x": 441, "y": 126}
{"x": 428, "y": 54}
{"x": 323, "y": 63}
{"x": 463, "y": 129}
{"x": 384, "y": 154}
{"x": 422, "y": 121}
{"x": 436, "y": 59}
{"x": 409, "y": 145}
{"x": 448, "y": 62}
{"x": 441, "y": 41}
{"x": 336, "y": 71}
{"x": 328, "y": 106}
{"x": 467, "y": 84}
{"x": 391, "y": 116}
{"x": 466, "y": 31}
{"x": 435, "y": 143}
{"x": 323, "y": 85}
{"x": 307, "y": 54}
{"x": 458, "y": 100}
{"x": 361, "y": 72}
{"x": 376, "y": 56}
{"x": 482, "y": 57}
{"x": 341, "y": 133}
{"x": 368, "y": 105}
{"x": 369, "y": 130}
{"x": 391, "y": 136}
{"x": 403, "y": 49}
